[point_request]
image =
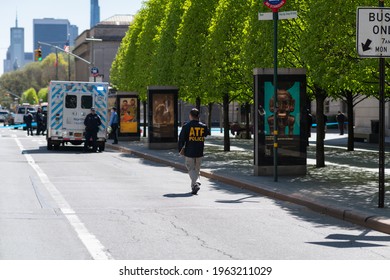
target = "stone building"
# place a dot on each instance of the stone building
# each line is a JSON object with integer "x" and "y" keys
{"x": 99, "y": 46}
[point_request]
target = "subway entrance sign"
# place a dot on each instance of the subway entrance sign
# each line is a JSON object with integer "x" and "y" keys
{"x": 373, "y": 32}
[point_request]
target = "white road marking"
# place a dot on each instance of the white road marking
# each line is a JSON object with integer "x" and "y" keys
{"x": 93, "y": 245}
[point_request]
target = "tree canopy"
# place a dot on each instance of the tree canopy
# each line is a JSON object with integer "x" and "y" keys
{"x": 210, "y": 47}
{"x": 35, "y": 75}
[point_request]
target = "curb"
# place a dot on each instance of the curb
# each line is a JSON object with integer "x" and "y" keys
{"x": 374, "y": 222}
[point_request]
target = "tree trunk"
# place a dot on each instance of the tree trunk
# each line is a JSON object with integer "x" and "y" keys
{"x": 320, "y": 151}
{"x": 198, "y": 103}
{"x": 226, "y": 125}
{"x": 351, "y": 142}
{"x": 247, "y": 126}
{"x": 210, "y": 105}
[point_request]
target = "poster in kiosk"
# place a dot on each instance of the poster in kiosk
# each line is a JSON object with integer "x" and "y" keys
{"x": 128, "y": 104}
{"x": 162, "y": 117}
{"x": 292, "y": 122}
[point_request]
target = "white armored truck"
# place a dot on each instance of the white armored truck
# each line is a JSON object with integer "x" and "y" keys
{"x": 68, "y": 104}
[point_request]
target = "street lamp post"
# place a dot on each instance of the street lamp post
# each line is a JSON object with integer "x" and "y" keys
{"x": 92, "y": 58}
{"x": 69, "y": 53}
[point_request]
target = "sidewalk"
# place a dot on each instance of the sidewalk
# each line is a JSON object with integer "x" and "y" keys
{"x": 347, "y": 188}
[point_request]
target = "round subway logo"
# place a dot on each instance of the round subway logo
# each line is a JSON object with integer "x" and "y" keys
{"x": 275, "y": 5}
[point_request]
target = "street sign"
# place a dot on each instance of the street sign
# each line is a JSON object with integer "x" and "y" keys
{"x": 275, "y": 5}
{"x": 373, "y": 32}
{"x": 94, "y": 71}
{"x": 282, "y": 15}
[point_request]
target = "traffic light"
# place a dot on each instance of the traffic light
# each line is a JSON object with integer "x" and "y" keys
{"x": 38, "y": 54}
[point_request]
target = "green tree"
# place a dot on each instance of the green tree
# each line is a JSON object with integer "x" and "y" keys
{"x": 123, "y": 68}
{"x": 35, "y": 75}
{"x": 14, "y": 82}
{"x": 191, "y": 40}
{"x": 222, "y": 71}
{"x": 146, "y": 44}
{"x": 54, "y": 68}
{"x": 163, "y": 67}
{"x": 42, "y": 94}
{"x": 30, "y": 96}
{"x": 331, "y": 57}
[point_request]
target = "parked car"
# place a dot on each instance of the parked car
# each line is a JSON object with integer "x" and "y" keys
{"x": 3, "y": 115}
{"x": 9, "y": 119}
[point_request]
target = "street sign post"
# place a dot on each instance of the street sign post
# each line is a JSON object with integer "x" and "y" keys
{"x": 373, "y": 40}
{"x": 95, "y": 71}
{"x": 275, "y": 5}
{"x": 282, "y": 15}
{"x": 373, "y": 32}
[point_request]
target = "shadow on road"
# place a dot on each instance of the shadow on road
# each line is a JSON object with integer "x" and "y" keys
{"x": 177, "y": 195}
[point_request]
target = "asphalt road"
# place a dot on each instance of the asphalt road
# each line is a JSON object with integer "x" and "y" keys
{"x": 70, "y": 205}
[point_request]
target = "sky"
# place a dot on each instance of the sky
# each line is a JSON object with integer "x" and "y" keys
{"x": 76, "y": 11}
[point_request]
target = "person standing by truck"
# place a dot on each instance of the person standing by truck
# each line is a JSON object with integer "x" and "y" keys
{"x": 114, "y": 123}
{"x": 28, "y": 119}
{"x": 191, "y": 145}
{"x": 92, "y": 122}
{"x": 40, "y": 122}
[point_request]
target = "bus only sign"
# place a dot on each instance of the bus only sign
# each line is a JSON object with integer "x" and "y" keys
{"x": 275, "y": 5}
{"x": 373, "y": 32}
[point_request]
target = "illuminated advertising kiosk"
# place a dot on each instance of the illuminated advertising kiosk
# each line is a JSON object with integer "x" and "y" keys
{"x": 162, "y": 117}
{"x": 127, "y": 106}
{"x": 291, "y": 120}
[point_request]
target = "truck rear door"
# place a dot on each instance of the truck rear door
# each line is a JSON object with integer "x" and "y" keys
{"x": 76, "y": 106}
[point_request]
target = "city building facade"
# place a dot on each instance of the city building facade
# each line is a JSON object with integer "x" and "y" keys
{"x": 57, "y": 32}
{"x": 15, "y": 54}
{"x": 99, "y": 46}
{"x": 365, "y": 113}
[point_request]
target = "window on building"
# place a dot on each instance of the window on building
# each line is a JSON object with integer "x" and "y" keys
{"x": 326, "y": 107}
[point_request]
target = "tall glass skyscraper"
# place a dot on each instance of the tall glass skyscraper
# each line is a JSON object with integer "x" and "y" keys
{"x": 95, "y": 12}
{"x": 15, "y": 53}
{"x": 57, "y": 32}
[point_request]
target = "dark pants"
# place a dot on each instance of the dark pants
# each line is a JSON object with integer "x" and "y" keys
{"x": 29, "y": 128}
{"x": 90, "y": 135}
{"x": 114, "y": 132}
{"x": 341, "y": 128}
{"x": 40, "y": 128}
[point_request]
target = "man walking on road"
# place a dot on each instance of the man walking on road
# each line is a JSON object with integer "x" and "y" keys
{"x": 191, "y": 145}
{"x": 340, "y": 120}
{"x": 40, "y": 122}
{"x": 92, "y": 122}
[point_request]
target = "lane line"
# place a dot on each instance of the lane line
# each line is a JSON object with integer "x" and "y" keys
{"x": 93, "y": 245}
